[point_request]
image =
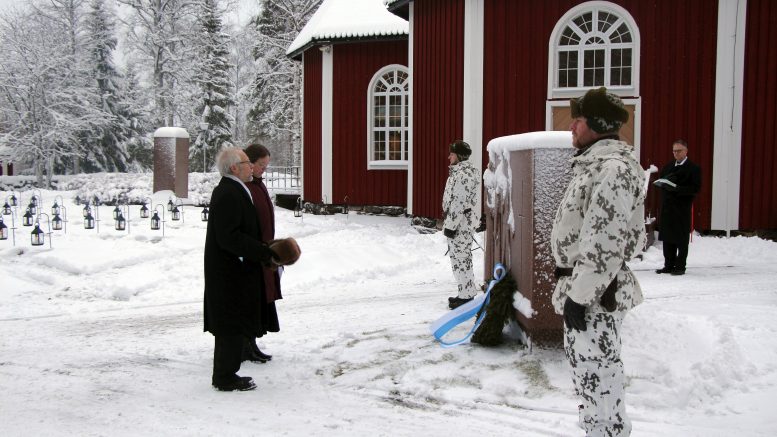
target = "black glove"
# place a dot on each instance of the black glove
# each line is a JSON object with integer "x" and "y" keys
{"x": 574, "y": 315}
{"x": 450, "y": 233}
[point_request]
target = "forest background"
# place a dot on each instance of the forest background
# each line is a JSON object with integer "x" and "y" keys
{"x": 85, "y": 83}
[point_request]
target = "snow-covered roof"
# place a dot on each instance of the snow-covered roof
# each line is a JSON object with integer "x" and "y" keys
{"x": 348, "y": 20}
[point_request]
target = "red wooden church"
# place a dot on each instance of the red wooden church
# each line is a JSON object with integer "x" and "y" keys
{"x": 381, "y": 103}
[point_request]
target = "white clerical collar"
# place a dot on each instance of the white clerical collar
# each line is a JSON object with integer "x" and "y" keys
{"x": 235, "y": 178}
{"x": 681, "y": 162}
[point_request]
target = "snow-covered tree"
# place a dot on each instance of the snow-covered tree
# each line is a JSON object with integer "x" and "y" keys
{"x": 48, "y": 106}
{"x": 213, "y": 79}
{"x": 276, "y": 89}
{"x": 159, "y": 33}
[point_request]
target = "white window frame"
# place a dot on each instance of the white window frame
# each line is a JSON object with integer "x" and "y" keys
{"x": 400, "y": 164}
{"x": 594, "y": 7}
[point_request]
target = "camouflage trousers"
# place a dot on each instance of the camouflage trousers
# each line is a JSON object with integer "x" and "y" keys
{"x": 460, "y": 252}
{"x": 597, "y": 374}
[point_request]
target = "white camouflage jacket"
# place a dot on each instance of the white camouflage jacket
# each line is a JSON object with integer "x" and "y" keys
{"x": 460, "y": 194}
{"x": 599, "y": 225}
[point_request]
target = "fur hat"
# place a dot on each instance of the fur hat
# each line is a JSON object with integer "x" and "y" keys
{"x": 604, "y": 112}
{"x": 286, "y": 250}
{"x": 461, "y": 149}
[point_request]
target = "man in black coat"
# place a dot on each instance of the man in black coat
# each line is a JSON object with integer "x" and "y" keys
{"x": 679, "y": 182}
{"x": 234, "y": 255}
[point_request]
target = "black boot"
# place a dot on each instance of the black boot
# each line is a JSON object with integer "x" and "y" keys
{"x": 457, "y": 302}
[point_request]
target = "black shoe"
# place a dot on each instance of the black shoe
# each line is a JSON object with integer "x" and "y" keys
{"x": 678, "y": 272}
{"x": 665, "y": 270}
{"x": 262, "y": 356}
{"x": 457, "y": 302}
{"x": 451, "y": 299}
{"x": 243, "y": 383}
{"x": 252, "y": 353}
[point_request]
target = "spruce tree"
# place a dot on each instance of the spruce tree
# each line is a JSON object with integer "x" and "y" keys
{"x": 213, "y": 78}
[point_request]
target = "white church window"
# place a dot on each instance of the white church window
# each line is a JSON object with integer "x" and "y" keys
{"x": 595, "y": 44}
{"x": 387, "y": 118}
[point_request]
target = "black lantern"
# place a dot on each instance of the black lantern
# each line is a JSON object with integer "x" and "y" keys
{"x": 204, "y": 214}
{"x": 89, "y": 221}
{"x": 121, "y": 223}
{"x": 7, "y": 209}
{"x": 298, "y": 208}
{"x": 35, "y": 201}
{"x": 176, "y": 213}
{"x": 32, "y": 207}
{"x": 37, "y": 236}
{"x": 87, "y": 210}
{"x": 170, "y": 205}
{"x": 144, "y": 211}
{"x": 3, "y": 230}
{"x": 55, "y": 208}
{"x": 56, "y": 223}
{"x": 27, "y": 218}
{"x": 96, "y": 200}
{"x": 116, "y": 212}
{"x": 155, "y": 221}
{"x": 13, "y": 200}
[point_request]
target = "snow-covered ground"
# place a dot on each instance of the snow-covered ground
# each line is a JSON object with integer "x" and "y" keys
{"x": 102, "y": 335}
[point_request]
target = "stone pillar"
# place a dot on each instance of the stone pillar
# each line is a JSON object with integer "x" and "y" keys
{"x": 526, "y": 179}
{"x": 171, "y": 160}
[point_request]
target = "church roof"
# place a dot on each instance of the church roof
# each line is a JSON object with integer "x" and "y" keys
{"x": 346, "y": 20}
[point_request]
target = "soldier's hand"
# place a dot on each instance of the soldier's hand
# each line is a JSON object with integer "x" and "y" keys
{"x": 450, "y": 233}
{"x": 574, "y": 315}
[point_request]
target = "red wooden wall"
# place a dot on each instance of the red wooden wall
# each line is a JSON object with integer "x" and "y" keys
{"x": 758, "y": 189}
{"x": 438, "y": 63}
{"x": 311, "y": 140}
{"x": 677, "y": 81}
{"x": 354, "y": 66}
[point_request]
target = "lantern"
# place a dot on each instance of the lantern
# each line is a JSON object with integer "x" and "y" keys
{"x": 204, "y": 214}
{"x": 116, "y": 212}
{"x": 37, "y": 236}
{"x": 87, "y": 210}
{"x": 27, "y": 218}
{"x": 32, "y": 207}
{"x": 56, "y": 223}
{"x": 176, "y": 213}
{"x": 170, "y": 205}
{"x": 13, "y": 200}
{"x": 3, "y": 230}
{"x": 55, "y": 208}
{"x": 144, "y": 211}
{"x": 89, "y": 221}
{"x": 121, "y": 223}
{"x": 155, "y": 221}
{"x": 7, "y": 209}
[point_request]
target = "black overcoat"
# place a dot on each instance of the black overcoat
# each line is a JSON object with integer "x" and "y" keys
{"x": 674, "y": 223}
{"x": 234, "y": 254}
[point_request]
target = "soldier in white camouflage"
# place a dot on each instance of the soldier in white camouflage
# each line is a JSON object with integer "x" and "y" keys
{"x": 599, "y": 226}
{"x": 458, "y": 206}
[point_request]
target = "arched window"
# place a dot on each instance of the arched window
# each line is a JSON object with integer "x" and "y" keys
{"x": 595, "y": 44}
{"x": 387, "y": 118}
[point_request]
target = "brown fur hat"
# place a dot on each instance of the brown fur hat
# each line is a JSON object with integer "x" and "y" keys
{"x": 287, "y": 251}
{"x": 604, "y": 112}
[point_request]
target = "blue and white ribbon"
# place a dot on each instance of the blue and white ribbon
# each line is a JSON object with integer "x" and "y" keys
{"x": 465, "y": 312}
